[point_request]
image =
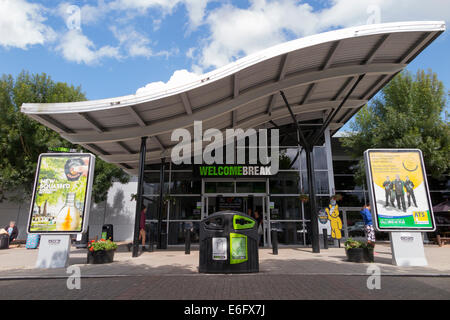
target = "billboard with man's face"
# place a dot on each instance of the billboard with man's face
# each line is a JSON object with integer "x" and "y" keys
{"x": 398, "y": 190}
{"x": 62, "y": 193}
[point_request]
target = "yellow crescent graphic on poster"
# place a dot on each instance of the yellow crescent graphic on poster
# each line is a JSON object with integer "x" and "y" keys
{"x": 398, "y": 189}
{"x": 62, "y": 193}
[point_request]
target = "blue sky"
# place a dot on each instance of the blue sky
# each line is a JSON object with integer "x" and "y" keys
{"x": 119, "y": 46}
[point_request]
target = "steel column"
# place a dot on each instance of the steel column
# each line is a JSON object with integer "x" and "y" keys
{"x": 137, "y": 218}
{"x": 308, "y": 147}
{"x": 312, "y": 200}
{"x": 161, "y": 202}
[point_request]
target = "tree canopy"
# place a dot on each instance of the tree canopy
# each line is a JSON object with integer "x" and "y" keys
{"x": 22, "y": 139}
{"x": 406, "y": 114}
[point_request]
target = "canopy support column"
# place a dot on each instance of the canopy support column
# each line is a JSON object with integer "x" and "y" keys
{"x": 139, "y": 198}
{"x": 161, "y": 202}
{"x": 312, "y": 199}
{"x": 308, "y": 147}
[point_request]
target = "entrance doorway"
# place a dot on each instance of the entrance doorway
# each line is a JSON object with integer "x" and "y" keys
{"x": 253, "y": 205}
{"x": 247, "y": 196}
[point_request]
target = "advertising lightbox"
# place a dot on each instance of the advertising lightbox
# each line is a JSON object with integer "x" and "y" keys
{"x": 62, "y": 193}
{"x": 398, "y": 190}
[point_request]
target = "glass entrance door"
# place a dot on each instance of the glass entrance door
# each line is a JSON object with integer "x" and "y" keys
{"x": 253, "y": 205}
{"x": 243, "y": 195}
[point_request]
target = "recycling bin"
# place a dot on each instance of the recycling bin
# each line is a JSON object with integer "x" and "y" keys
{"x": 228, "y": 243}
{"x": 108, "y": 232}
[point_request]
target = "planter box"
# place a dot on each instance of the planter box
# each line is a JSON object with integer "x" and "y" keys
{"x": 368, "y": 254}
{"x": 101, "y": 256}
{"x": 360, "y": 255}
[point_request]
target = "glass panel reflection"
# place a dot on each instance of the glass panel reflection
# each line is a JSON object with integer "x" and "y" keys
{"x": 177, "y": 232}
{"x": 286, "y": 208}
{"x": 184, "y": 208}
{"x": 290, "y": 232}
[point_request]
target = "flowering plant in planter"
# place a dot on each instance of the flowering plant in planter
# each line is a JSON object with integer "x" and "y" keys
{"x": 304, "y": 198}
{"x": 101, "y": 251}
{"x": 358, "y": 251}
{"x": 102, "y": 244}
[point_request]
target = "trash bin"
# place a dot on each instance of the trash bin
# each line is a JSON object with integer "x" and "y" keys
{"x": 4, "y": 241}
{"x": 228, "y": 243}
{"x": 108, "y": 232}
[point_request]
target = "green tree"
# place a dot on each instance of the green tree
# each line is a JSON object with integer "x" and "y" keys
{"x": 407, "y": 114}
{"x": 22, "y": 139}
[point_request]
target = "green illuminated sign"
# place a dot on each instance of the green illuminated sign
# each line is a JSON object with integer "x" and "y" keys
{"x": 232, "y": 170}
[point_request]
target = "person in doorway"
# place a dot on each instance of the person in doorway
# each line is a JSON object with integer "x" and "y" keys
{"x": 368, "y": 225}
{"x": 258, "y": 219}
{"x": 142, "y": 234}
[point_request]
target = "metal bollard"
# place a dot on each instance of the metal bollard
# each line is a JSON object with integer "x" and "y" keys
{"x": 325, "y": 238}
{"x": 275, "y": 242}
{"x": 187, "y": 241}
{"x": 150, "y": 242}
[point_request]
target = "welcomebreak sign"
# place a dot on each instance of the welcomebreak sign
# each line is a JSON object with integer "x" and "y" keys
{"x": 398, "y": 190}
{"x": 62, "y": 193}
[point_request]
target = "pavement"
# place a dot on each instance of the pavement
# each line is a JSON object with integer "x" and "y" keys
{"x": 295, "y": 273}
{"x": 19, "y": 262}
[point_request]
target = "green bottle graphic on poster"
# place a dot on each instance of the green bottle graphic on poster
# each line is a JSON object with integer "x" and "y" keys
{"x": 238, "y": 248}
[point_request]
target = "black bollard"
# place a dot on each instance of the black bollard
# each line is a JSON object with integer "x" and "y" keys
{"x": 275, "y": 242}
{"x": 187, "y": 241}
{"x": 325, "y": 238}
{"x": 150, "y": 242}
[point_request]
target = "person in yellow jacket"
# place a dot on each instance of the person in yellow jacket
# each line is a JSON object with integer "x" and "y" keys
{"x": 335, "y": 221}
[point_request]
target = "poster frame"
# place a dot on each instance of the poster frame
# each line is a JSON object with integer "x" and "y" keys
{"x": 372, "y": 197}
{"x": 87, "y": 198}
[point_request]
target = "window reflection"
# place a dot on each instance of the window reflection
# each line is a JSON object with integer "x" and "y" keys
{"x": 285, "y": 182}
{"x": 286, "y": 208}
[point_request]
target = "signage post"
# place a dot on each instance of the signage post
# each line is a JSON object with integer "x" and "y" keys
{"x": 400, "y": 201}
{"x": 60, "y": 204}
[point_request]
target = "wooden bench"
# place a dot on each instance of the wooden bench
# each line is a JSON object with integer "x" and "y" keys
{"x": 442, "y": 240}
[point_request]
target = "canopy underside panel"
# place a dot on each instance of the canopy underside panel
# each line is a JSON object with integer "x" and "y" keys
{"x": 315, "y": 73}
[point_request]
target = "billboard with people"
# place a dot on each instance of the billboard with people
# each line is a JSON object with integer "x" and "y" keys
{"x": 62, "y": 193}
{"x": 398, "y": 189}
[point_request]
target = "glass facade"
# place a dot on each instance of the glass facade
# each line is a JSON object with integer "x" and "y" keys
{"x": 188, "y": 198}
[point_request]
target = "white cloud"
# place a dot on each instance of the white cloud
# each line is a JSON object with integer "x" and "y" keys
{"x": 195, "y": 8}
{"x": 22, "y": 24}
{"x": 236, "y": 32}
{"x": 196, "y": 12}
{"x": 134, "y": 43}
{"x": 179, "y": 77}
{"x": 75, "y": 46}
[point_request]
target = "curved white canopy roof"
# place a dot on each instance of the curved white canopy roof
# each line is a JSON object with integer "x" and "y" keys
{"x": 315, "y": 73}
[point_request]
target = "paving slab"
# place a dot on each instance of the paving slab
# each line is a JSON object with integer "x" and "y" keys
{"x": 19, "y": 263}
